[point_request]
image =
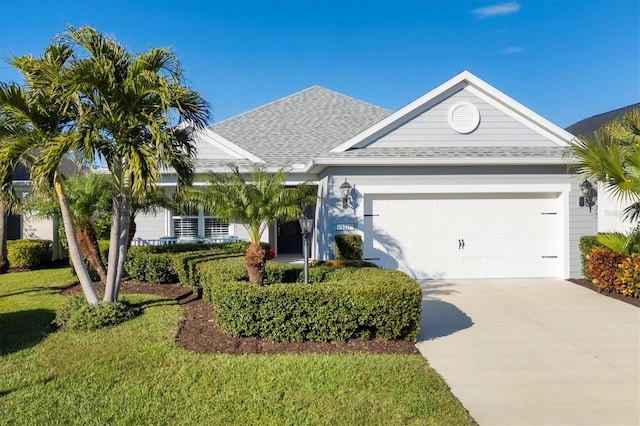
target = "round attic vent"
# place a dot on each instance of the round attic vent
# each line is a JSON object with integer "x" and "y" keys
{"x": 464, "y": 117}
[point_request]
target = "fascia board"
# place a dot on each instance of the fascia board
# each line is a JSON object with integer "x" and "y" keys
{"x": 227, "y": 146}
{"x": 519, "y": 112}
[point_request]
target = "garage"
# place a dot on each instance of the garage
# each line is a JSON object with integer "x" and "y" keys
{"x": 472, "y": 235}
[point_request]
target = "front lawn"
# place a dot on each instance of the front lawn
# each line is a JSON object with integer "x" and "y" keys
{"x": 136, "y": 373}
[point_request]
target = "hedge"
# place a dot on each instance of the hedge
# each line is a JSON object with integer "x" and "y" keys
{"x": 29, "y": 254}
{"x": 350, "y": 303}
{"x": 174, "y": 263}
{"x": 348, "y": 247}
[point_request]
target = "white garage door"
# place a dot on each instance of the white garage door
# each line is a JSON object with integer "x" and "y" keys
{"x": 465, "y": 235}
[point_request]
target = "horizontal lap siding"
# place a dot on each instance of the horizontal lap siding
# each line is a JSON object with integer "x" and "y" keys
{"x": 431, "y": 128}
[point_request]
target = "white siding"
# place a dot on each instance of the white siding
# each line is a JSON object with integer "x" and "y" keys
{"x": 208, "y": 151}
{"x": 431, "y": 128}
{"x": 151, "y": 226}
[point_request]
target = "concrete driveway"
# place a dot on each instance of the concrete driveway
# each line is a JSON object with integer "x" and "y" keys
{"x": 526, "y": 352}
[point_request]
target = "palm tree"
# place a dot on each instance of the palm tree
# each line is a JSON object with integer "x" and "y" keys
{"x": 612, "y": 156}
{"x": 255, "y": 201}
{"x": 128, "y": 110}
{"x": 35, "y": 121}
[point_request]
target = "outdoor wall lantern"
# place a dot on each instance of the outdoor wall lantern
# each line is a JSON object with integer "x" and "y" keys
{"x": 589, "y": 195}
{"x": 345, "y": 191}
{"x": 306, "y": 227}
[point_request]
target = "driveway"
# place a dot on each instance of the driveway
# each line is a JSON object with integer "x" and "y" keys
{"x": 527, "y": 352}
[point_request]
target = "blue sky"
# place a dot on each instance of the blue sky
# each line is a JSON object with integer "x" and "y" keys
{"x": 564, "y": 59}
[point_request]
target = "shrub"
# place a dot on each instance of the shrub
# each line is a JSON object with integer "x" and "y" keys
{"x": 629, "y": 275}
{"x": 175, "y": 263}
{"x": 603, "y": 267}
{"x": 348, "y": 247}
{"x": 77, "y": 314}
{"x": 223, "y": 270}
{"x": 29, "y": 254}
{"x": 281, "y": 273}
{"x": 365, "y": 302}
{"x": 587, "y": 243}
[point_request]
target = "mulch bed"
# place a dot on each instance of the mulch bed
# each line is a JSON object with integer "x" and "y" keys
{"x": 198, "y": 331}
{"x": 591, "y": 286}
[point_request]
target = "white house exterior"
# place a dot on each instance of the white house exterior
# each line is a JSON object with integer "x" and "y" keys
{"x": 463, "y": 182}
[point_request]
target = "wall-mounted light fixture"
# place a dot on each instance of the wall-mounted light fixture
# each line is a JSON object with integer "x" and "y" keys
{"x": 589, "y": 195}
{"x": 345, "y": 192}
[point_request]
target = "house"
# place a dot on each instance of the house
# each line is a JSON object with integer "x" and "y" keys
{"x": 610, "y": 209}
{"x": 463, "y": 182}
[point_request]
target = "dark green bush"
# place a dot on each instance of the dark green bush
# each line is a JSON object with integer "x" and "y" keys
{"x": 587, "y": 243}
{"x": 175, "y": 263}
{"x": 348, "y": 247}
{"x": 77, "y": 314}
{"x": 362, "y": 302}
{"x": 231, "y": 269}
{"x": 29, "y": 254}
{"x": 276, "y": 273}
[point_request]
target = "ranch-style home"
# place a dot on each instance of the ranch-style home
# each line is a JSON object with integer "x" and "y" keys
{"x": 463, "y": 182}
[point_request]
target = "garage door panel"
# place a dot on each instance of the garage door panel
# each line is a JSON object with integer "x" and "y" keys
{"x": 465, "y": 235}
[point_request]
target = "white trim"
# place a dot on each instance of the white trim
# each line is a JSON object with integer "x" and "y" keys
{"x": 227, "y": 146}
{"x": 463, "y": 80}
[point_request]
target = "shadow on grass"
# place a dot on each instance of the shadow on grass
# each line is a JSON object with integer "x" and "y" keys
{"x": 4, "y": 392}
{"x": 24, "y": 329}
{"x": 31, "y": 290}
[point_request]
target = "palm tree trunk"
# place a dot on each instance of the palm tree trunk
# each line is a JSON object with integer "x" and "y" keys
{"x": 89, "y": 246}
{"x": 255, "y": 259}
{"x": 114, "y": 251}
{"x": 4, "y": 261}
{"x": 133, "y": 227}
{"x": 123, "y": 242}
{"x": 74, "y": 250}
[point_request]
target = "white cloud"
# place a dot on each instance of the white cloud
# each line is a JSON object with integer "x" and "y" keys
{"x": 512, "y": 49}
{"x": 499, "y": 9}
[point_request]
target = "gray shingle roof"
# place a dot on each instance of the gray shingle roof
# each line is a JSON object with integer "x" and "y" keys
{"x": 589, "y": 125}
{"x": 302, "y": 126}
{"x": 452, "y": 152}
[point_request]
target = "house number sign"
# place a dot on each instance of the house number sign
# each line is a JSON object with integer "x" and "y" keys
{"x": 345, "y": 226}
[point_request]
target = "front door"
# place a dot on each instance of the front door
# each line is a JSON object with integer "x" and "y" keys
{"x": 289, "y": 237}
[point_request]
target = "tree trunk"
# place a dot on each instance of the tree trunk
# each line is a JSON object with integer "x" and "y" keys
{"x": 89, "y": 246}
{"x": 114, "y": 252}
{"x": 4, "y": 260}
{"x": 255, "y": 258}
{"x": 125, "y": 215}
{"x": 74, "y": 250}
{"x": 132, "y": 231}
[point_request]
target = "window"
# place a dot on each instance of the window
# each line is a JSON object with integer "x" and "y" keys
{"x": 198, "y": 223}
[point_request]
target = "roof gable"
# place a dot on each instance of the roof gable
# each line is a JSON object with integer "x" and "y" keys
{"x": 437, "y": 105}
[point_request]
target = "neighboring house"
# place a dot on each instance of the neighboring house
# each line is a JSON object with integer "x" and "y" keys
{"x": 28, "y": 226}
{"x": 609, "y": 209}
{"x": 463, "y": 182}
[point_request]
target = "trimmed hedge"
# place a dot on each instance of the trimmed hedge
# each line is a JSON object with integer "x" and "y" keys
{"x": 173, "y": 263}
{"x": 29, "y": 254}
{"x": 348, "y": 247}
{"x": 350, "y": 303}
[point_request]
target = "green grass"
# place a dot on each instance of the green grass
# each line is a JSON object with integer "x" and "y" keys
{"x": 135, "y": 373}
